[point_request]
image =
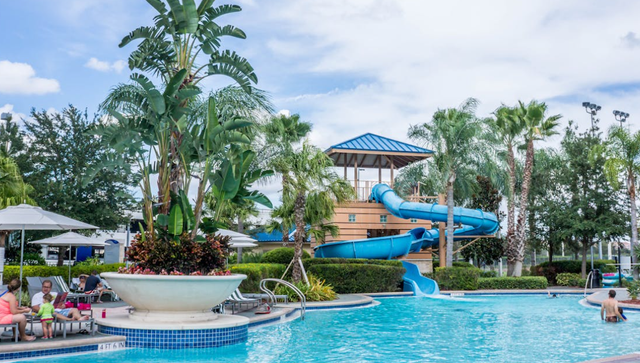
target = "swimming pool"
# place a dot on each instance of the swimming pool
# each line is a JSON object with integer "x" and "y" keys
{"x": 472, "y": 329}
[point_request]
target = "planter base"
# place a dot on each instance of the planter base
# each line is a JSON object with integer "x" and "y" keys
{"x": 225, "y": 330}
{"x": 173, "y": 317}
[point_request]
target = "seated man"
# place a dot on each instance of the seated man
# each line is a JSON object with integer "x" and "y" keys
{"x": 61, "y": 312}
{"x": 94, "y": 283}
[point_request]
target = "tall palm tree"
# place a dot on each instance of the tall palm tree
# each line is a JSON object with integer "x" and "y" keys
{"x": 507, "y": 130}
{"x": 308, "y": 171}
{"x": 622, "y": 152}
{"x": 13, "y": 190}
{"x": 181, "y": 48}
{"x": 535, "y": 126}
{"x": 455, "y": 134}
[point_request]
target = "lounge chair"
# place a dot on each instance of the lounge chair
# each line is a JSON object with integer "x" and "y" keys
{"x": 236, "y": 298}
{"x": 284, "y": 298}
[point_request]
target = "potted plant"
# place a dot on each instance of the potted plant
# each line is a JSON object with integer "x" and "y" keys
{"x": 168, "y": 135}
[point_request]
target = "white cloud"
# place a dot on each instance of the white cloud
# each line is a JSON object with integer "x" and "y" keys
{"x": 20, "y": 78}
{"x": 409, "y": 58}
{"x": 104, "y": 66}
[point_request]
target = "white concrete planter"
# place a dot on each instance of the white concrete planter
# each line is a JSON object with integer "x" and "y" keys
{"x": 162, "y": 298}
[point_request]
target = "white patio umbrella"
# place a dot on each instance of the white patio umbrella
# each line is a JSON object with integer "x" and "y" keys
{"x": 238, "y": 240}
{"x": 70, "y": 239}
{"x": 27, "y": 217}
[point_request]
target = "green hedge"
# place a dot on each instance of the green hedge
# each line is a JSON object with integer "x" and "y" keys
{"x": 457, "y": 278}
{"x": 13, "y": 272}
{"x": 574, "y": 266}
{"x": 256, "y": 272}
{"x": 349, "y": 261}
{"x": 282, "y": 255}
{"x": 524, "y": 283}
{"x": 462, "y": 264}
{"x": 354, "y": 278}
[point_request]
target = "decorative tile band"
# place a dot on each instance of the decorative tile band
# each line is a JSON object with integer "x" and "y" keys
{"x": 47, "y": 352}
{"x": 179, "y": 339}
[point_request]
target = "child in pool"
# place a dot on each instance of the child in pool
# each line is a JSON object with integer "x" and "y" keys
{"x": 46, "y": 314}
{"x": 624, "y": 318}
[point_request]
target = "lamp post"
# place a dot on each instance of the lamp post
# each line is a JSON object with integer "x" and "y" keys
{"x": 5, "y": 116}
{"x": 620, "y": 116}
{"x": 592, "y": 109}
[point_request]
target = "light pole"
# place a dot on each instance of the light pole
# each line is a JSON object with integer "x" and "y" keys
{"x": 5, "y": 116}
{"x": 592, "y": 109}
{"x": 620, "y": 116}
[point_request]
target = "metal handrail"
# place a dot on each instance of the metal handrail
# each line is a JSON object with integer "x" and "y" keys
{"x": 272, "y": 296}
{"x": 587, "y": 283}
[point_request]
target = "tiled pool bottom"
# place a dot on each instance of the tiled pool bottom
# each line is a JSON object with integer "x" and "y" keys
{"x": 179, "y": 339}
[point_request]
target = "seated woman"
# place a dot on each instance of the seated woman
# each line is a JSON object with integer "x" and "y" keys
{"x": 11, "y": 313}
{"x": 83, "y": 281}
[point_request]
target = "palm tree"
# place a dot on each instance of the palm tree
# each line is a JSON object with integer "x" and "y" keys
{"x": 282, "y": 220}
{"x": 507, "y": 130}
{"x": 308, "y": 171}
{"x": 622, "y": 152}
{"x": 531, "y": 118}
{"x": 182, "y": 48}
{"x": 455, "y": 134}
{"x": 13, "y": 190}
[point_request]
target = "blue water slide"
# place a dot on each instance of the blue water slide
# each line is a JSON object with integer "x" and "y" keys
{"x": 414, "y": 281}
{"x": 475, "y": 221}
{"x": 384, "y": 248}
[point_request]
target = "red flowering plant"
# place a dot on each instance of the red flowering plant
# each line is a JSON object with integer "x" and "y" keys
{"x": 178, "y": 257}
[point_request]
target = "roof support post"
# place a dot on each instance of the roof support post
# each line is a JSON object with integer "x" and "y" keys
{"x": 391, "y": 158}
{"x": 355, "y": 175}
{"x": 379, "y": 169}
{"x": 345, "y": 166}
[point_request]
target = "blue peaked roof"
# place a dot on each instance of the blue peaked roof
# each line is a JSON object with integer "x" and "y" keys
{"x": 375, "y": 151}
{"x": 373, "y": 142}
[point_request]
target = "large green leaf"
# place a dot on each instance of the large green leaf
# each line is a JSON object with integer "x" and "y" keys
{"x": 188, "y": 211}
{"x": 155, "y": 98}
{"x": 174, "y": 84}
{"x": 177, "y": 10}
{"x": 260, "y": 198}
{"x": 191, "y": 15}
{"x": 175, "y": 221}
{"x": 162, "y": 220}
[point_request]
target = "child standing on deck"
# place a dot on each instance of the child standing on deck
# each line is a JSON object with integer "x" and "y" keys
{"x": 46, "y": 314}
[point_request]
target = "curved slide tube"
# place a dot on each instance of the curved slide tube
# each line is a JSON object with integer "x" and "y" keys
{"x": 381, "y": 248}
{"x": 414, "y": 281}
{"x": 475, "y": 221}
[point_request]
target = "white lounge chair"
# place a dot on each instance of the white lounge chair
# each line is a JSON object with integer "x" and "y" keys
{"x": 236, "y": 298}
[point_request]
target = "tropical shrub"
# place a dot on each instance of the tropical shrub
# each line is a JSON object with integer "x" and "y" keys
{"x": 633, "y": 288}
{"x": 462, "y": 264}
{"x": 33, "y": 259}
{"x": 504, "y": 283}
{"x": 457, "y": 278}
{"x": 91, "y": 261}
{"x": 317, "y": 290}
{"x": 359, "y": 278}
{"x": 282, "y": 255}
{"x": 184, "y": 255}
{"x": 568, "y": 279}
{"x": 573, "y": 266}
{"x": 255, "y": 273}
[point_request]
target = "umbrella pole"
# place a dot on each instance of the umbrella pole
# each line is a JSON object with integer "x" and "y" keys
{"x": 69, "y": 280}
{"x": 21, "y": 262}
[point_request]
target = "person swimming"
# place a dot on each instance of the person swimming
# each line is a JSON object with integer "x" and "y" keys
{"x": 620, "y": 310}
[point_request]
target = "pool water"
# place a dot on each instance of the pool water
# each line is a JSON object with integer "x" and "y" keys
{"x": 414, "y": 329}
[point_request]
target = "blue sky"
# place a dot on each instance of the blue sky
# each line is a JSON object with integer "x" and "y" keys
{"x": 351, "y": 66}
